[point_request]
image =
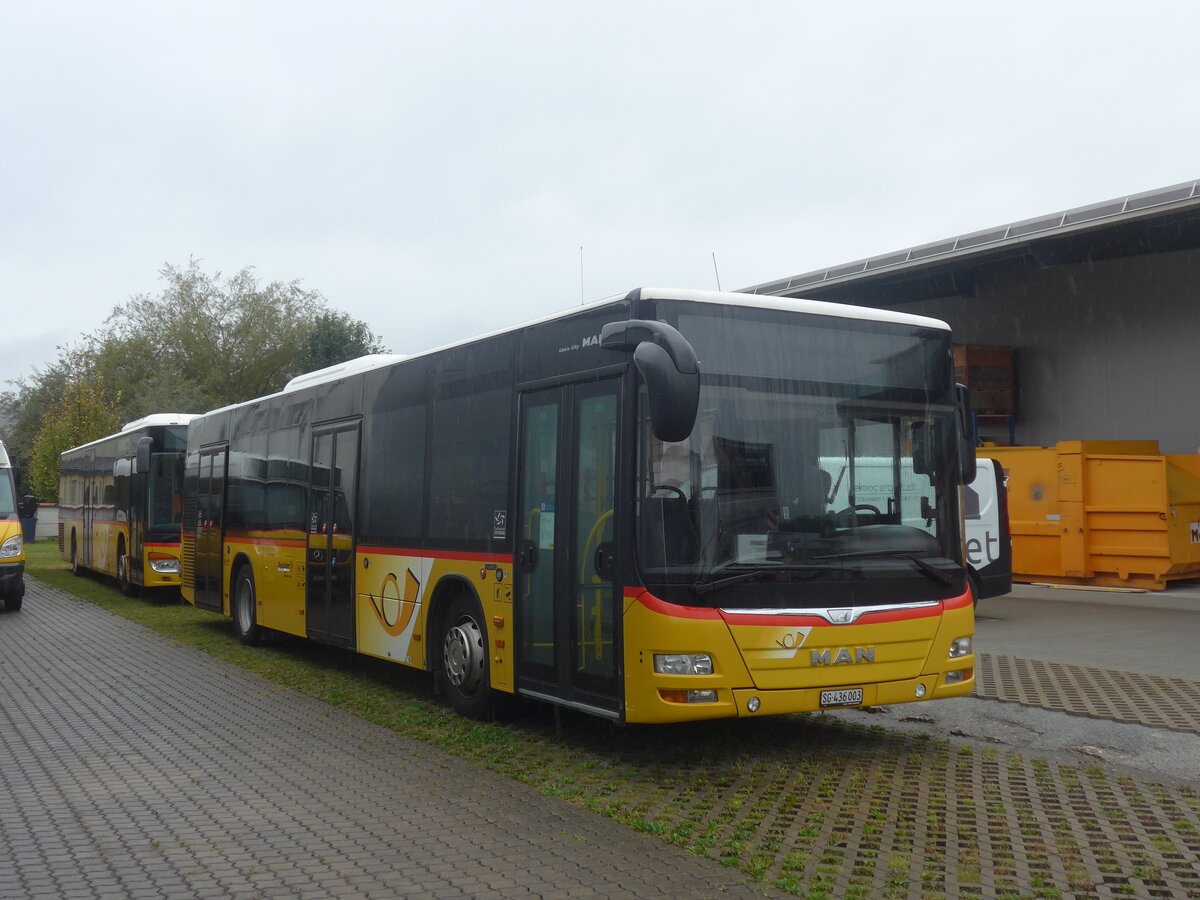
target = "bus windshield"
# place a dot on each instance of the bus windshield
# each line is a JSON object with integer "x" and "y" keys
{"x": 8, "y": 496}
{"x": 166, "y": 490}
{"x": 807, "y": 476}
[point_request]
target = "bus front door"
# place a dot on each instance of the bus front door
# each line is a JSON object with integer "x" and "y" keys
{"x": 332, "y": 484}
{"x": 566, "y": 562}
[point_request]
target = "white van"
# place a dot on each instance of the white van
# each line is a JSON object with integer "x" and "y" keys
{"x": 988, "y": 546}
{"x": 988, "y": 543}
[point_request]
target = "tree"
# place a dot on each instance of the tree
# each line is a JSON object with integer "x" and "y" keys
{"x": 336, "y": 337}
{"x": 203, "y": 342}
{"x": 206, "y": 340}
{"x": 83, "y": 413}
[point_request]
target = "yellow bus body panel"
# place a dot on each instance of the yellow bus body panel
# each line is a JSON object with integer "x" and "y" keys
{"x": 152, "y": 579}
{"x": 774, "y": 661}
{"x": 391, "y": 614}
{"x": 10, "y": 529}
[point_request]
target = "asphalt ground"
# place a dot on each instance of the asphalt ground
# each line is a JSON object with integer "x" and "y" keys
{"x": 134, "y": 767}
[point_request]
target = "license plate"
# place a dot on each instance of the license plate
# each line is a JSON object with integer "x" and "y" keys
{"x": 848, "y": 697}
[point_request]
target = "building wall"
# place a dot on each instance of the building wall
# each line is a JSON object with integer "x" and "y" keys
{"x": 1106, "y": 350}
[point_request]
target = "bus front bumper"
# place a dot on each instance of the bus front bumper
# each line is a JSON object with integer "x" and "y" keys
{"x": 752, "y": 702}
{"x": 12, "y": 577}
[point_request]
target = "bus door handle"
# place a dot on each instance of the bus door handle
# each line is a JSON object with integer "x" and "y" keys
{"x": 605, "y": 561}
{"x": 527, "y": 556}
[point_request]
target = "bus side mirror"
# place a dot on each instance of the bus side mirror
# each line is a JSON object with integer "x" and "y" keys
{"x": 668, "y": 366}
{"x": 966, "y": 435}
{"x": 922, "y": 449}
{"x": 141, "y": 463}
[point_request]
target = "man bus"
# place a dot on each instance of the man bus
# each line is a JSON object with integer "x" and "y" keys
{"x": 617, "y": 509}
{"x": 12, "y": 547}
{"x": 121, "y": 503}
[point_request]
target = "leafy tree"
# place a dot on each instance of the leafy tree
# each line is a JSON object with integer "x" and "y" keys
{"x": 203, "y": 342}
{"x": 83, "y": 413}
{"x": 336, "y": 337}
{"x": 206, "y": 340}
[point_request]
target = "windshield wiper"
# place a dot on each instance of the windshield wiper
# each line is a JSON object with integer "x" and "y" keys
{"x": 759, "y": 571}
{"x": 936, "y": 573}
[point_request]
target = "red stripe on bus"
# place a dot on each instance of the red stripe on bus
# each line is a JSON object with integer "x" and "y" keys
{"x": 453, "y": 555}
{"x": 661, "y": 607}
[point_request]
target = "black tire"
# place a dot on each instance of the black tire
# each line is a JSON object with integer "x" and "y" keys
{"x": 13, "y": 599}
{"x": 243, "y": 607}
{"x": 464, "y": 659}
{"x": 76, "y": 568}
{"x": 127, "y": 587}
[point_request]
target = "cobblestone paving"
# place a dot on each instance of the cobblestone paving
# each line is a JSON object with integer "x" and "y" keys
{"x": 134, "y": 767}
{"x": 1149, "y": 700}
{"x": 131, "y": 767}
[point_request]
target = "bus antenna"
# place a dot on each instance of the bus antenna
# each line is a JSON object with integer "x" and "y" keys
{"x": 581, "y": 300}
{"x": 715, "y": 272}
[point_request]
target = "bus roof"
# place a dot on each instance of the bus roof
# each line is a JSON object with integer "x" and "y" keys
{"x": 159, "y": 419}
{"x": 725, "y": 298}
{"x": 150, "y": 421}
{"x": 815, "y": 307}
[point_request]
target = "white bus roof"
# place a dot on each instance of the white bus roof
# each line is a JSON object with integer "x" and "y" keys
{"x": 726, "y": 298}
{"x": 159, "y": 419}
{"x": 144, "y": 422}
{"x": 342, "y": 369}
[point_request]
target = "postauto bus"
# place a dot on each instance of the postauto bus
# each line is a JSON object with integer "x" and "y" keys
{"x": 618, "y": 509}
{"x": 121, "y": 503}
{"x": 12, "y": 548}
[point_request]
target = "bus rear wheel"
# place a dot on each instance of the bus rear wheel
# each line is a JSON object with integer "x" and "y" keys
{"x": 465, "y": 659}
{"x": 76, "y": 568}
{"x": 245, "y": 608}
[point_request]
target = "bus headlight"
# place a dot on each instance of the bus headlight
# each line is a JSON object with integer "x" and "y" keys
{"x": 11, "y": 547}
{"x": 961, "y": 647}
{"x": 164, "y": 565}
{"x": 683, "y": 664}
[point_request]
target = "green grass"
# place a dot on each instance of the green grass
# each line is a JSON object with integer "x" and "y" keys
{"x": 794, "y": 801}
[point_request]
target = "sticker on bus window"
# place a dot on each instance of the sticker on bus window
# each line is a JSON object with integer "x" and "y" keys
{"x": 499, "y": 524}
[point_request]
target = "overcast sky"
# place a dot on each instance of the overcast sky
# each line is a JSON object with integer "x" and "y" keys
{"x": 434, "y": 169}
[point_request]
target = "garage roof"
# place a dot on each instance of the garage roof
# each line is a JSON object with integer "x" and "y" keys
{"x": 1158, "y": 221}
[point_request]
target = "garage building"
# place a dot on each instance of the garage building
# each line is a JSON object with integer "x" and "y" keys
{"x": 1100, "y": 306}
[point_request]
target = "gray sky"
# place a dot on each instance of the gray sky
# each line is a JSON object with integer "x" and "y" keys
{"x": 434, "y": 168}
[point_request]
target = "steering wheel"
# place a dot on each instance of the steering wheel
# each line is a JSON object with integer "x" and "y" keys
{"x": 655, "y": 488}
{"x": 849, "y": 515}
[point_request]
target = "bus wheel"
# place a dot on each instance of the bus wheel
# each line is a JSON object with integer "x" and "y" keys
{"x": 465, "y": 660}
{"x": 245, "y": 612}
{"x": 123, "y": 582}
{"x": 76, "y": 568}
{"x": 12, "y": 600}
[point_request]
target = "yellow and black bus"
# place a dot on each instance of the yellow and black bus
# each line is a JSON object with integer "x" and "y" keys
{"x": 626, "y": 509}
{"x": 12, "y": 546}
{"x": 121, "y": 503}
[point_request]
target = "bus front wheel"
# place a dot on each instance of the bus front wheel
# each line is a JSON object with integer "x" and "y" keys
{"x": 465, "y": 659}
{"x": 127, "y": 587}
{"x": 245, "y": 611}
